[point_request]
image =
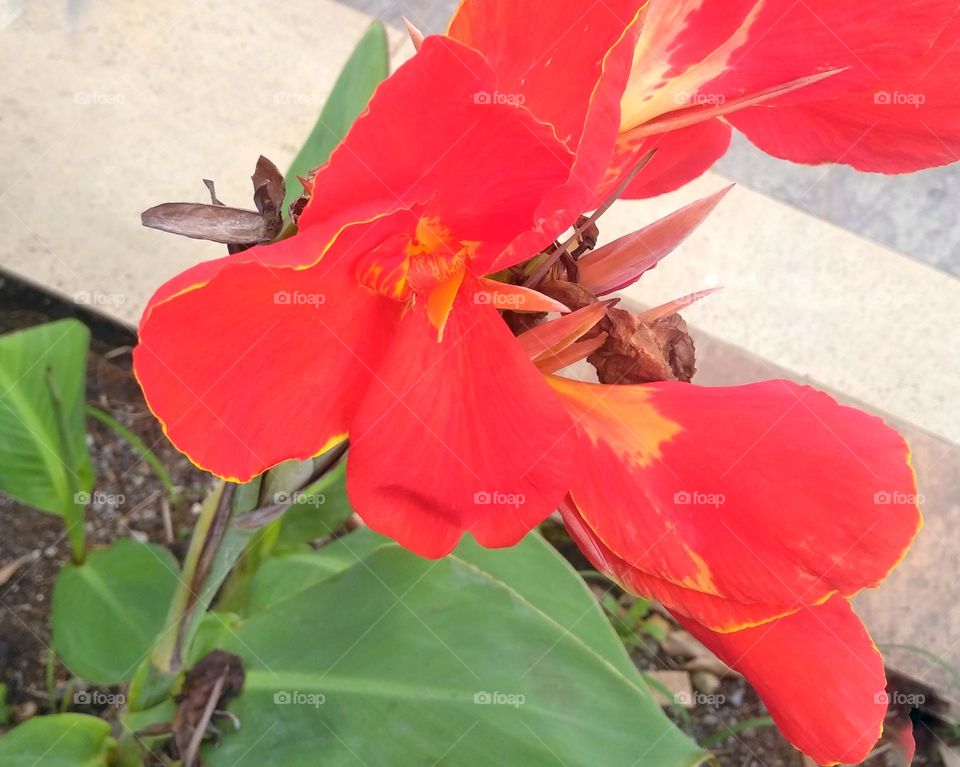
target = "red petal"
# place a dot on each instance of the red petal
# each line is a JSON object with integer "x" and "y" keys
{"x": 257, "y": 364}
{"x": 431, "y": 138}
{"x": 569, "y": 67}
{"x": 901, "y": 123}
{"x": 703, "y": 51}
{"x": 709, "y": 609}
{"x": 739, "y": 489}
{"x": 457, "y": 436}
{"x": 819, "y": 674}
{"x": 682, "y": 155}
{"x": 552, "y": 62}
{"x": 622, "y": 262}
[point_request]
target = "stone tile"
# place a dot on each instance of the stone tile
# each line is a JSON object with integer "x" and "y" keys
{"x": 915, "y": 213}
{"x": 131, "y": 104}
{"x": 430, "y": 16}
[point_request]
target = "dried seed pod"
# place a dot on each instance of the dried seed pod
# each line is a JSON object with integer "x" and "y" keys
{"x": 637, "y": 352}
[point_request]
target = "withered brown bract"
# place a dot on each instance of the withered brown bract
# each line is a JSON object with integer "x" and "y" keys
{"x": 236, "y": 227}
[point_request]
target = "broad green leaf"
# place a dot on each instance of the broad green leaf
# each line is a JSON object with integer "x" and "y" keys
{"x": 367, "y": 66}
{"x": 108, "y": 611}
{"x": 402, "y": 660}
{"x": 540, "y": 574}
{"x": 61, "y": 740}
{"x": 44, "y": 460}
{"x": 282, "y": 576}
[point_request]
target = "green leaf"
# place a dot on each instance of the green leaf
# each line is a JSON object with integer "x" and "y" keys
{"x": 367, "y": 66}
{"x": 481, "y": 658}
{"x": 281, "y": 577}
{"x": 44, "y": 460}
{"x": 61, "y": 740}
{"x": 536, "y": 570}
{"x": 108, "y": 611}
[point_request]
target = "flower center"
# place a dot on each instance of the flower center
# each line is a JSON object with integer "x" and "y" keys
{"x": 416, "y": 262}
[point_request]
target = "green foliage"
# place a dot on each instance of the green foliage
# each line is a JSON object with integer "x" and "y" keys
{"x": 61, "y": 740}
{"x": 479, "y": 658}
{"x": 44, "y": 460}
{"x": 108, "y": 611}
{"x": 633, "y": 620}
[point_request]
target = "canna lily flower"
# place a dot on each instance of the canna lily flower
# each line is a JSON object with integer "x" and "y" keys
{"x": 376, "y": 320}
{"x": 752, "y": 513}
{"x": 823, "y": 81}
{"x": 814, "y": 82}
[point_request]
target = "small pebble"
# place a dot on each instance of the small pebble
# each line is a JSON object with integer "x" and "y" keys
{"x": 705, "y": 682}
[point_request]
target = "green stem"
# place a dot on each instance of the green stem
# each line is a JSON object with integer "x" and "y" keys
{"x": 167, "y": 655}
{"x": 214, "y": 548}
{"x": 732, "y": 729}
{"x": 73, "y": 510}
{"x": 137, "y": 444}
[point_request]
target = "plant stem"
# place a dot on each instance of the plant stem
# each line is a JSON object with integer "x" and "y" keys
{"x": 208, "y": 534}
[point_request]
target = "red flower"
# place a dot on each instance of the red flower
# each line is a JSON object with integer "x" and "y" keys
{"x": 374, "y": 320}
{"x": 752, "y": 513}
{"x": 887, "y": 101}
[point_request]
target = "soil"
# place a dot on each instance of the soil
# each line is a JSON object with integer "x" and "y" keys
{"x": 121, "y": 473}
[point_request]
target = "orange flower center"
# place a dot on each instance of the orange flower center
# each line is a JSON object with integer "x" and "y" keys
{"x": 428, "y": 262}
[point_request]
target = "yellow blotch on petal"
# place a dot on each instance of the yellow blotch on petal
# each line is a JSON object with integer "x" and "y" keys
{"x": 622, "y": 417}
{"x": 702, "y": 580}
